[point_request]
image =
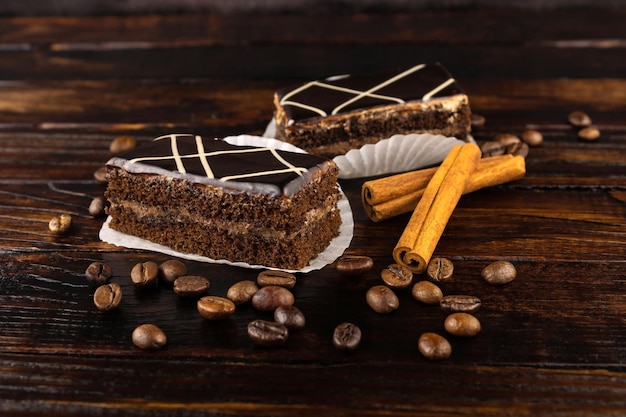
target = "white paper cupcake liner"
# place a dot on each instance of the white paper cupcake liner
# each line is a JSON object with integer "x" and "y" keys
{"x": 398, "y": 153}
{"x": 334, "y": 250}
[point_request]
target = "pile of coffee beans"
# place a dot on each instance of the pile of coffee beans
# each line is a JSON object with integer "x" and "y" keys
{"x": 271, "y": 292}
{"x": 460, "y": 308}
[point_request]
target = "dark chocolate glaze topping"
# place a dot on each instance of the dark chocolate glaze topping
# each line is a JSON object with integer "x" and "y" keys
{"x": 344, "y": 94}
{"x": 212, "y": 161}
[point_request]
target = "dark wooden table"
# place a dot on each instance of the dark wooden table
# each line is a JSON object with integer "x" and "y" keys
{"x": 553, "y": 341}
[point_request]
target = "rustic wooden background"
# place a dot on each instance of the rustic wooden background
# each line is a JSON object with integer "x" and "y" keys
{"x": 553, "y": 342}
{"x": 92, "y": 7}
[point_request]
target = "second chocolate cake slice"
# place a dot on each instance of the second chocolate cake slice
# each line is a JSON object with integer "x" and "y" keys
{"x": 329, "y": 117}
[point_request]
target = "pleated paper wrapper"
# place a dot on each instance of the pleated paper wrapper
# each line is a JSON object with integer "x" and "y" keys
{"x": 399, "y": 153}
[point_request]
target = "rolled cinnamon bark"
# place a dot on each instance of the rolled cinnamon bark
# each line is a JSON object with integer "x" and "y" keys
{"x": 425, "y": 227}
{"x": 391, "y": 196}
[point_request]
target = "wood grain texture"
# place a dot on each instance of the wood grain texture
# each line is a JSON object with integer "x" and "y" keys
{"x": 553, "y": 341}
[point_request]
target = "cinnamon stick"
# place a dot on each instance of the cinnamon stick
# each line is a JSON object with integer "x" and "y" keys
{"x": 425, "y": 227}
{"x": 398, "y": 194}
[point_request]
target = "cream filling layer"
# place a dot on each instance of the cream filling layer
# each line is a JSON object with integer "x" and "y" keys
{"x": 183, "y": 215}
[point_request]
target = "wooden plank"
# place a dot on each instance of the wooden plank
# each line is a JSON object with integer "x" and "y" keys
{"x": 313, "y": 62}
{"x": 460, "y": 26}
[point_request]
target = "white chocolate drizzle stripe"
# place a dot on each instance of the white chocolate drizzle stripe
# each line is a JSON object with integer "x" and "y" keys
{"x": 258, "y": 174}
{"x": 204, "y": 158}
{"x": 378, "y": 87}
{"x": 179, "y": 162}
{"x": 437, "y": 89}
{"x": 357, "y": 93}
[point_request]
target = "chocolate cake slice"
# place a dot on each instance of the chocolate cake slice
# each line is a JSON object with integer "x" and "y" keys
{"x": 200, "y": 196}
{"x": 329, "y": 117}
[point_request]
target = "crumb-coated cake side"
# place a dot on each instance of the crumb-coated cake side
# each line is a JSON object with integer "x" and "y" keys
{"x": 329, "y": 117}
{"x": 247, "y": 204}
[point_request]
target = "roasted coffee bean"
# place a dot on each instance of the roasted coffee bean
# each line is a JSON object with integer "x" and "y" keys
{"x": 579, "y": 119}
{"x": 149, "y": 337}
{"x": 191, "y": 286}
{"x": 507, "y": 139}
{"x": 434, "y": 346}
{"x": 278, "y": 278}
{"x": 96, "y": 207}
{"x": 354, "y": 264}
{"x": 589, "y": 133}
{"x": 462, "y": 324}
{"x": 267, "y": 333}
{"x": 440, "y": 269}
{"x": 212, "y": 307}
{"x": 241, "y": 292}
{"x": 144, "y": 274}
{"x": 532, "y": 137}
{"x": 460, "y": 303}
{"x": 122, "y": 143}
{"x": 492, "y": 148}
{"x": 290, "y": 316}
{"x": 108, "y": 296}
{"x": 499, "y": 272}
{"x": 172, "y": 269}
{"x": 271, "y": 297}
{"x": 382, "y": 299}
{"x": 347, "y": 336}
{"x": 517, "y": 149}
{"x": 61, "y": 224}
{"x": 397, "y": 276}
{"x": 98, "y": 273}
{"x": 477, "y": 121}
{"x": 427, "y": 292}
{"x": 100, "y": 175}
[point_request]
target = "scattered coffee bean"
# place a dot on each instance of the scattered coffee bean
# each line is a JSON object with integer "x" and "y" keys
{"x": 460, "y": 303}
{"x": 354, "y": 264}
{"x": 290, "y": 316}
{"x": 172, "y": 269}
{"x": 477, "y": 121}
{"x": 100, "y": 175}
{"x": 241, "y": 292}
{"x": 589, "y": 133}
{"x": 96, "y": 207}
{"x": 440, "y": 269}
{"x": 499, "y": 272}
{"x": 427, "y": 292}
{"x": 507, "y": 139}
{"x": 122, "y": 143}
{"x": 271, "y": 297}
{"x": 108, "y": 296}
{"x": 267, "y": 333}
{"x": 347, "y": 336}
{"x": 212, "y": 307}
{"x": 382, "y": 299}
{"x": 149, "y": 337}
{"x": 579, "y": 119}
{"x": 434, "y": 346}
{"x": 144, "y": 274}
{"x": 492, "y": 148}
{"x": 278, "y": 278}
{"x": 517, "y": 149}
{"x": 462, "y": 324}
{"x": 532, "y": 137}
{"x": 397, "y": 276}
{"x": 191, "y": 286}
{"x": 61, "y": 224}
{"x": 98, "y": 273}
